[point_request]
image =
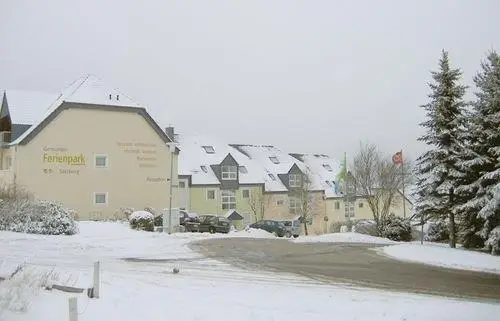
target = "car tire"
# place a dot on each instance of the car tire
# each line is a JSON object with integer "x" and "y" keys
{"x": 295, "y": 236}
{"x": 211, "y": 230}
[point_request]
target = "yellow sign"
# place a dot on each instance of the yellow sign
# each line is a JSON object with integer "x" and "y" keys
{"x": 66, "y": 159}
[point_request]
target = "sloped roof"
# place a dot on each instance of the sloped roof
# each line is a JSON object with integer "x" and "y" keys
{"x": 326, "y": 167}
{"x": 25, "y": 107}
{"x": 263, "y": 154}
{"x": 194, "y": 156}
{"x": 88, "y": 89}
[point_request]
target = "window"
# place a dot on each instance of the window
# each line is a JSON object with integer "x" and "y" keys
{"x": 280, "y": 202}
{"x": 210, "y": 194}
{"x": 337, "y": 205}
{"x": 228, "y": 200}
{"x": 274, "y": 159}
{"x": 245, "y": 193}
{"x": 182, "y": 184}
{"x": 209, "y": 149}
{"x": 360, "y": 205}
{"x": 204, "y": 168}
{"x": 327, "y": 167}
{"x": 229, "y": 173}
{"x": 8, "y": 163}
{"x": 100, "y": 198}
{"x": 272, "y": 177}
{"x": 243, "y": 170}
{"x": 294, "y": 180}
{"x": 101, "y": 161}
{"x": 294, "y": 205}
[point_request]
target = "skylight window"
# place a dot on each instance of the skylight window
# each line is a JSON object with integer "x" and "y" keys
{"x": 209, "y": 149}
{"x": 327, "y": 167}
{"x": 274, "y": 159}
{"x": 272, "y": 177}
{"x": 243, "y": 170}
{"x": 204, "y": 168}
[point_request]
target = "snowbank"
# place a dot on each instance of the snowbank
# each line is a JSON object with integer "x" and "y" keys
{"x": 149, "y": 290}
{"x": 443, "y": 256}
{"x": 252, "y": 232}
{"x": 349, "y": 237}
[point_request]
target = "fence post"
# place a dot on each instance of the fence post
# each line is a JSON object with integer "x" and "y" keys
{"x": 97, "y": 280}
{"x": 73, "y": 308}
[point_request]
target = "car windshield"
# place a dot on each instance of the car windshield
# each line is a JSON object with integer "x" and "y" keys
{"x": 206, "y": 218}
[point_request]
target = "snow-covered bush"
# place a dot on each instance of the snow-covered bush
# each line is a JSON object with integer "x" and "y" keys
{"x": 37, "y": 217}
{"x": 397, "y": 229}
{"x": 142, "y": 220}
{"x": 438, "y": 232}
{"x": 493, "y": 241}
{"x": 367, "y": 227}
{"x": 17, "y": 292}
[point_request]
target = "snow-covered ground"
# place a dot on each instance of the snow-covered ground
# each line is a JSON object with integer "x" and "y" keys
{"x": 348, "y": 237}
{"x": 204, "y": 289}
{"x": 442, "y": 255}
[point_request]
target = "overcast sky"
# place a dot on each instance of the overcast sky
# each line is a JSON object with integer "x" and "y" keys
{"x": 307, "y": 76}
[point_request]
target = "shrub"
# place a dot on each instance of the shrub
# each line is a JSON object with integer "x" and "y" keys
{"x": 438, "y": 232}
{"x": 37, "y": 217}
{"x": 142, "y": 220}
{"x": 368, "y": 227}
{"x": 493, "y": 241}
{"x": 397, "y": 229}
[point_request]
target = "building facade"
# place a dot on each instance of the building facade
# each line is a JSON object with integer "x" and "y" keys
{"x": 92, "y": 148}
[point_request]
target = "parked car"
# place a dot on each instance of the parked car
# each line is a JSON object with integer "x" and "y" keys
{"x": 190, "y": 221}
{"x": 275, "y": 227}
{"x": 214, "y": 224}
{"x": 292, "y": 228}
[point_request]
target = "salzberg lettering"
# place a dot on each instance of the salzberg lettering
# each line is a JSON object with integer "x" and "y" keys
{"x": 64, "y": 159}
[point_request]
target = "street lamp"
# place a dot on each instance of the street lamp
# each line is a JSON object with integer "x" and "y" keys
{"x": 171, "y": 145}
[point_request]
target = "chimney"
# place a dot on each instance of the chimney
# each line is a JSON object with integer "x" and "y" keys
{"x": 170, "y": 132}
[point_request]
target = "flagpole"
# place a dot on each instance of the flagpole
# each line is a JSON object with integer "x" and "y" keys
{"x": 403, "y": 179}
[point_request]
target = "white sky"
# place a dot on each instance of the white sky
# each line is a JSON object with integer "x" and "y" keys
{"x": 307, "y": 76}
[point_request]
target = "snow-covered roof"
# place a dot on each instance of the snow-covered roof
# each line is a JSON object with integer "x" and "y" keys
{"x": 326, "y": 167}
{"x": 274, "y": 161}
{"x": 25, "y": 107}
{"x": 195, "y": 161}
{"x": 88, "y": 89}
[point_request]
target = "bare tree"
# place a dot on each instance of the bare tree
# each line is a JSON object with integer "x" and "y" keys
{"x": 257, "y": 202}
{"x": 378, "y": 180}
{"x": 304, "y": 196}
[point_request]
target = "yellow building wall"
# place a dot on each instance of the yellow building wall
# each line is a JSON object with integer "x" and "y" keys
{"x": 200, "y": 204}
{"x": 7, "y": 158}
{"x": 138, "y": 163}
{"x": 277, "y": 208}
{"x": 364, "y": 212}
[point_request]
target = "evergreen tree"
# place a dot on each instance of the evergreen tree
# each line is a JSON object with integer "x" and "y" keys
{"x": 482, "y": 156}
{"x": 437, "y": 169}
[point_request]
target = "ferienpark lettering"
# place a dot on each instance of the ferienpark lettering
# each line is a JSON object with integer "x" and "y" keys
{"x": 64, "y": 159}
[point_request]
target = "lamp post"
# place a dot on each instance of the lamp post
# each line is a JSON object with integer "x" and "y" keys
{"x": 172, "y": 151}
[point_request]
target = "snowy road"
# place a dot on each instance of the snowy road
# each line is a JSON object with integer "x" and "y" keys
{"x": 356, "y": 264}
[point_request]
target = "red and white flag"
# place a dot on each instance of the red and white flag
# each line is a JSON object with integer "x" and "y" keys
{"x": 397, "y": 158}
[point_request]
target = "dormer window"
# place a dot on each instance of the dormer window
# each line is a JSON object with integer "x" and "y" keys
{"x": 229, "y": 173}
{"x": 327, "y": 167}
{"x": 243, "y": 170}
{"x": 204, "y": 168}
{"x": 294, "y": 180}
{"x": 272, "y": 177}
{"x": 274, "y": 159}
{"x": 209, "y": 149}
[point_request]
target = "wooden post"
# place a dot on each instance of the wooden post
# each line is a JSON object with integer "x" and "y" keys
{"x": 97, "y": 280}
{"x": 73, "y": 308}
